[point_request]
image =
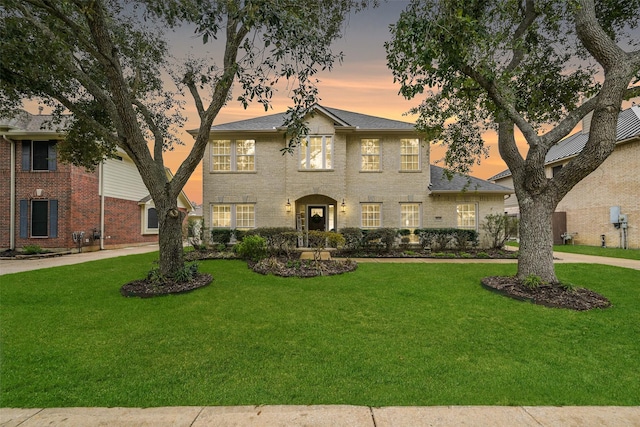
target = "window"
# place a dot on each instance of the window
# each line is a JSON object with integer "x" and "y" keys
{"x": 409, "y": 154}
{"x": 467, "y": 216}
{"x": 316, "y": 153}
{"x": 555, "y": 170}
{"x": 233, "y": 216}
{"x": 233, "y": 156}
{"x": 152, "y": 218}
{"x": 371, "y": 215}
{"x": 370, "y": 151}
{"x": 38, "y": 218}
{"x": 410, "y": 214}
{"x": 39, "y": 156}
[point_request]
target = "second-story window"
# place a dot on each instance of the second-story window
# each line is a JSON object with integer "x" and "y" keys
{"x": 233, "y": 155}
{"x": 39, "y": 156}
{"x": 410, "y": 154}
{"x": 370, "y": 149}
{"x": 316, "y": 153}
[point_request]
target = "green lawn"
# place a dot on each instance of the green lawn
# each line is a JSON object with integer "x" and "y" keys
{"x": 387, "y": 334}
{"x": 595, "y": 250}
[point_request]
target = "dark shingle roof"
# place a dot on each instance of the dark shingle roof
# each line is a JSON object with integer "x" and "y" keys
{"x": 628, "y": 127}
{"x": 440, "y": 183}
{"x": 343, "y": 119}
{"x": 25, "y": 122}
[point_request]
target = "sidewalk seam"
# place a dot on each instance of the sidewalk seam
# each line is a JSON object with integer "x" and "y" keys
{"x": 531, "y": 415}
{"x": 28, "y": 418}
{"x": 202, "y": 408}
{"x": 373, "y": 417}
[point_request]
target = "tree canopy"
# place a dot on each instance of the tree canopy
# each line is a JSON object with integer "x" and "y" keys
{"x": 108, "y": 63}
{"x": 540, "y": 65}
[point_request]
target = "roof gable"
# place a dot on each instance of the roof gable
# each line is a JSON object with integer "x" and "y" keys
{"x": 341, "y": 119}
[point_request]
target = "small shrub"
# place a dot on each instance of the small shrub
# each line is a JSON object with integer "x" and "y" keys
{"x": 500, "y": 228}
{"x": 385, "y": 237}
{"x": 532, "y": 281}
{"x": 221, "y": 235}
{"x": 353, "y": 238}
{"x": 187, "y": 273}
{"x": 280, "y": 240}
{"x": 253, "y": 248}
{"x": 465, "y": 255}
{"x": 32, "y": 249}
{"x": 569, "y": 287}
{"x": 483, "y": 255}
{"x": 221, "y": 247}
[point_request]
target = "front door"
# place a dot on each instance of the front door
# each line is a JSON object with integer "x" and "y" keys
{"x": 317, "y": 218}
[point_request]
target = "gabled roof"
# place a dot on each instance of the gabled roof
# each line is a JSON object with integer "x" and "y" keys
{"x": 628, "y": 127}
{"x": 341, "y": 118}
{"x": 441, "y": 184}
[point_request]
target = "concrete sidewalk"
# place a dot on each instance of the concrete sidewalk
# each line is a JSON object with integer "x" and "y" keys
{"x": 327, "y": 416}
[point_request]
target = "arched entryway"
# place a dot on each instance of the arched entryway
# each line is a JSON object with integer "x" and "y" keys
{"x": 316, "y": 212}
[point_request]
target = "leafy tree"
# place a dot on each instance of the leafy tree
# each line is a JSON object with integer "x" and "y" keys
{"x": 107, "y": 62}
{"x": 538, "y": 65}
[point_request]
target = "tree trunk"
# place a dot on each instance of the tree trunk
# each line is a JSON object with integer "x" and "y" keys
{"x": 170, "y": 238}
{"x": 536, "y": 239}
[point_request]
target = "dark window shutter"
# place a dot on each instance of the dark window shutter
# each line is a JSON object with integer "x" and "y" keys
{"x": 53, "y": 218}
{"x": 26, "y": 155}
{"x": 52, "y": 156}
{"x": 24, "y": 219}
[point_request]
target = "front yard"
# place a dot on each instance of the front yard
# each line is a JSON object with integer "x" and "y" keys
{"x": 383, "y": 335}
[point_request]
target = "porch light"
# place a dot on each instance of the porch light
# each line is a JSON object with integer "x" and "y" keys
{"x": 288, "y": 206}
{"x": 343, "y": 207}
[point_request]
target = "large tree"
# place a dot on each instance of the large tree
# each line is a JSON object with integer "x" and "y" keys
{"x": 107, "y": 63}
{"x": 538, "y": 65}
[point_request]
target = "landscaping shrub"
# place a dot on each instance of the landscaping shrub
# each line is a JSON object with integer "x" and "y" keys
{"x": 221, "y": 235}
{"x": 32, "y": 249}
{"x": 353, "y": 238}
{"x": 380, "y": 238}
{"x": 279, "y": 240}
{"x": 443, "y": 238}
{"x": 499, "y": 228}
{"x": 252, "y": 247}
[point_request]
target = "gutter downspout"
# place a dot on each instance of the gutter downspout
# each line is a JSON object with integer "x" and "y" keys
{"x": 12, "y": 203}
{"x": 101, "y": 179}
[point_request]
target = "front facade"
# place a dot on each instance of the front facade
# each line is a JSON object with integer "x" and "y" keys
{"x": 353, "y": 170}
{"x": 585, "y": 213}
{"x": 59, "y": 206}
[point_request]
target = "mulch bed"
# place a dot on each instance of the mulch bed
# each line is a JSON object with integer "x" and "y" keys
{"x": 555, "y": 296}
{"x": 285, "y": 267}
{"x": 148, "y": 288}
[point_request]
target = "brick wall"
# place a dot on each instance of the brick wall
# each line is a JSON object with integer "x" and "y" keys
{"x": 123, "y": 224}
{"x": 5, "y": 193}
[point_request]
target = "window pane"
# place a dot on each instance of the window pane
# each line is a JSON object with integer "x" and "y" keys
{"x": 221, "y": 155}
{"x": 152, "y": 218}
{"x": 221, "y": 216}
{"x": 370, "y": 216}
{"x": 315, "y": 152}
{"x": 467, "y": 216}
{"x": 410, "y": 213}
{"x": 370, "y": 149}
{"x": 40, "y": 155}
{"x": 245, "y": 216}
{"x": 39, "y": 214}
{"x": 409, "y": 154}
{"x": 328, "y": 147}
{"x": 245, "y": 155}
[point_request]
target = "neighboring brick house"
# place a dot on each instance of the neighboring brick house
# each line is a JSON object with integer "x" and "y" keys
{"x": 584, "y": 213}
{"x": 49, "y": 203}
{"x": 354, "y": 170}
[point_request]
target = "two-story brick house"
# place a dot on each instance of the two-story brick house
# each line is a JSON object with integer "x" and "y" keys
{"x": 584, "y": 214}
{"x": 353, "y": 170}
{"x": 59, "y": 206}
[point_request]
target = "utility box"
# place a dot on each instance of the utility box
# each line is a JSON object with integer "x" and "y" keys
{"x": 614, "y": 214}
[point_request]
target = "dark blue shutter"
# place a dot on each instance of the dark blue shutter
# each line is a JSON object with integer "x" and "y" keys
{"x": 53, "y": 218}
{"x": 24, "y": 219}
{"x": 52, "y": 156}
{"x": 26, "y": 155}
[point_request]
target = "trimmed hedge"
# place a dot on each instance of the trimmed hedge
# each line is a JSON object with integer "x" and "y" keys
{"x": 444, "y": 238}
{"x": 280, "y": 240}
